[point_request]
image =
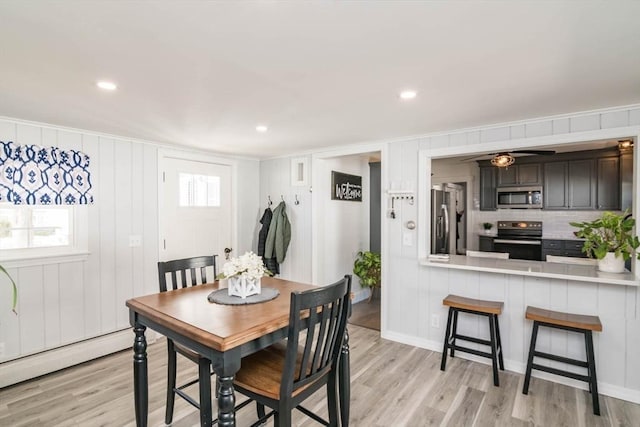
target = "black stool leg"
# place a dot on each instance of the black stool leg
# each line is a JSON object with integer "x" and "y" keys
{"x": 454, "y": 332}
{"x": 443, "y": 364}
{"x": 591, "y": 362}
{"x": 494, "y": 350}
{"x": 532, "y": 349}
{"x": 500, "y": 359}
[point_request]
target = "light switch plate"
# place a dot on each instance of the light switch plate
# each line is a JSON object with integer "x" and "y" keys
{"x": 135, "y": 241}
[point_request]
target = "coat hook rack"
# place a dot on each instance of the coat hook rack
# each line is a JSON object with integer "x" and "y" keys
{"x": 401, "y": 195}
{"x": 270, "y": 202}
{"x": 296, "y": 202}
{"x": 282, "y": 197}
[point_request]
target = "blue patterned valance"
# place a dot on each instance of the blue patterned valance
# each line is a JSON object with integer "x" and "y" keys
{"x": 34, "y": 175}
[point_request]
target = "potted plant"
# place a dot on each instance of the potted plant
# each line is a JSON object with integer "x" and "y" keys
{"x": 15, "y": 289}
{"x": 244, "y": 274}
{"x": 367, "y": 267}
{"x": 487, "y": 227}
{"x": 610, "y": 239}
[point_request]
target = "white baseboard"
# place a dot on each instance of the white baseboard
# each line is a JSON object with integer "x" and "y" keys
{"x": 630, "y": 395}
{"x": 29, "y": 367}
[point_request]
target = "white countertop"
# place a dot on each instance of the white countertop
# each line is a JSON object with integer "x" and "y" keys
{"x": 582, "y": 273}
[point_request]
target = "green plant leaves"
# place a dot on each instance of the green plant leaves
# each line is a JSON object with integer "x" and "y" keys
{"x": 610, "y": 233}
{"x": 367, "y": 267}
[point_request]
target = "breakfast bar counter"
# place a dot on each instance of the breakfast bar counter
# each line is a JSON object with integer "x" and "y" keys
{"x": 518, "y": 267}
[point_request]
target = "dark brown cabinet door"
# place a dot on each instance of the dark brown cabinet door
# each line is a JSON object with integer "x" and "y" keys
{"x": 529, "y": 174}
{"x": 555, "y": 186}
{"x": 507, "y": 176}
{"x": 608, "y": 192}
{"x": 525, "y": 174}
{"x": 581, "y": 192}
{"x": 488, "y": 188}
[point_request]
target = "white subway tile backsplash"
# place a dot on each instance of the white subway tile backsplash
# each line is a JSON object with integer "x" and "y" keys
{"x": 555, "y": 224}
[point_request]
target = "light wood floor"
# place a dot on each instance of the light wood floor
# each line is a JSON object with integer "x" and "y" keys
{"x": 392, "y": 385}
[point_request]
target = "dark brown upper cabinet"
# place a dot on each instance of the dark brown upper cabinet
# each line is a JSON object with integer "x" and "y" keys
{"x": 524, "y": 174}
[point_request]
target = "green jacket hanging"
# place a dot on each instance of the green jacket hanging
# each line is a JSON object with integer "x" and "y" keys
{"x": 279, "y": 235}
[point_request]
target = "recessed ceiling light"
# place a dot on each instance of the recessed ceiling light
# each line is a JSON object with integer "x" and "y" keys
{"x": 261, "y": 128}
{"x": 408, "y": 94}
{"x": 107, "y": 85}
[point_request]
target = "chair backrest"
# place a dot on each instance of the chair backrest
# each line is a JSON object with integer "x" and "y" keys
{"x": 571, "y": 260}
{"x": 321, "y": 316}
{"x": 186, "y": 267}
{"x": 482, "y": 254}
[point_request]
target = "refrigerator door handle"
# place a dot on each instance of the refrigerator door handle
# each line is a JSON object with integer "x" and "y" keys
{"x": 439, "y": 227}
{"x": 445, "y": 214}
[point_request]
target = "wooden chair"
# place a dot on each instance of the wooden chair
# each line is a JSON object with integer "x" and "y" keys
{"x": 571, "y": 260}
{"x": 285, "y": 374}
{"x": 482, "y": 254}
{"x": 183, "y": 273}
{"x": 490, "y": 309}
{"x": 580, "y": 323}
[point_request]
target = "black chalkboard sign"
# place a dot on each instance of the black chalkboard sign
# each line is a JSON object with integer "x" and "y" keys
{"x": 346, "y": 187}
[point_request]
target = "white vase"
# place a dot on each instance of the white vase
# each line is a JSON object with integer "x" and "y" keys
{"x": 611, "y": 263}
{"x": 242, "y": 287}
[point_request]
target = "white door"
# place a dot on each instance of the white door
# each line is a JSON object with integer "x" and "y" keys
{"x": 195, "y": 209}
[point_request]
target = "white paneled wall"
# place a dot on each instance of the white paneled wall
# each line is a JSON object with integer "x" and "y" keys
{"x": 66, "y": 302}
{"x": 71, "y": 301}
{"x": 275, "y": 182}
{"x": 418, "y": 291}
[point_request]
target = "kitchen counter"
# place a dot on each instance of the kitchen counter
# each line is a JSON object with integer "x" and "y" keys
{"x": 518, "y": 267}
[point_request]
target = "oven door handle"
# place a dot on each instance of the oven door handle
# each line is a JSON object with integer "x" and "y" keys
{"x": 518, "y": 242}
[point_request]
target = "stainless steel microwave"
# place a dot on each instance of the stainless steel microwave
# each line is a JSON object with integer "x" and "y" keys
{"x": 519, "y": 197}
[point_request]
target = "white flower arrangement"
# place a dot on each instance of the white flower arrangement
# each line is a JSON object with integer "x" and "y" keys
{"x": 248, "y": 266}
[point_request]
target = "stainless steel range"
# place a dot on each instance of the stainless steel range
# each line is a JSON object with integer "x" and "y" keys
{"x": 521, "y": 239}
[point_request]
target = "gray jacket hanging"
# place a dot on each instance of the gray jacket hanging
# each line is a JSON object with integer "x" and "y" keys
{"x": 279, "y": 235}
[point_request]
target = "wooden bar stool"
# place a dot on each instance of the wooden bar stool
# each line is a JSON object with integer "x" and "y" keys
{"x": 569, "y": 322}
{"x": 491, "y": 309}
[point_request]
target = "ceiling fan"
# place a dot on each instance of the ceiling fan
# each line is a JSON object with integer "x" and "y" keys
{"x": 504, "y": 159}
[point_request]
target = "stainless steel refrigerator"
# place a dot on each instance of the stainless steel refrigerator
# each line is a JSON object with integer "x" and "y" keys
{"x": 445, "y": 217}
{"x": 440, "y": 221}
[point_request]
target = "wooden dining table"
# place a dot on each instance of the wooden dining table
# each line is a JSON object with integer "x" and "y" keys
{"x": 224, "y": 334}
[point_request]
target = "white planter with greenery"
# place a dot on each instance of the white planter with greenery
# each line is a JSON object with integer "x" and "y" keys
{"x": 610, "y": 239}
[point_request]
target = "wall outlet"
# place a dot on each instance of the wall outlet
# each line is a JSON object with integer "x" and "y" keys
{"x": 435, "y": 321}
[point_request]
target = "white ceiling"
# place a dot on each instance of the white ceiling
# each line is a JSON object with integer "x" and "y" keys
{"x": 318, "y": 73}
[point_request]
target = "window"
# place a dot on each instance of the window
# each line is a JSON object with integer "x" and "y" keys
{"x": 199, "y": 190}
{"x": 27, "y": 227}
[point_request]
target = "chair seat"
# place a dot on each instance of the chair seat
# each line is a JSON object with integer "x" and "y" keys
{"x": 482, "y": 306}
{"x": 579, "y": 321}
{"x": 189, "y": 354}
{"x": 261, "y": 372}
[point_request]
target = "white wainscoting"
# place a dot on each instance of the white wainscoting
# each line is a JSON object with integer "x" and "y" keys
{"x": 70, "y": 301}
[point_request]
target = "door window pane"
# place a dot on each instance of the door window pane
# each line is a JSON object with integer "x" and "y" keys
{"x": 199, "y": 190}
